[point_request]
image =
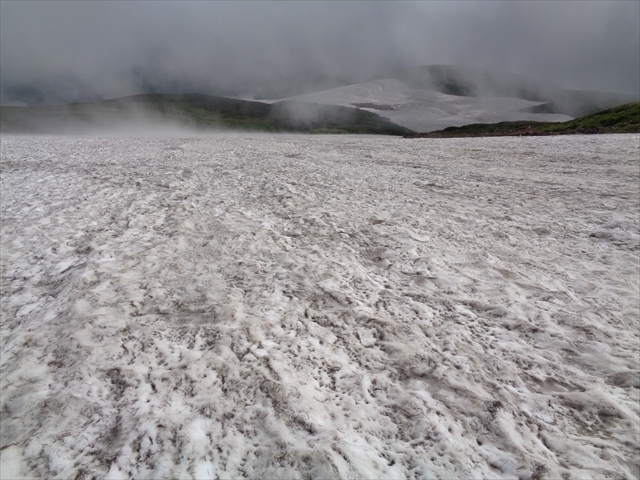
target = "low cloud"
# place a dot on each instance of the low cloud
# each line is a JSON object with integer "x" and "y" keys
{"x": 72, "y": 51}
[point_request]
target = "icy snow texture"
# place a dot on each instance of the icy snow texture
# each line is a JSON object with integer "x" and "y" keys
{"x": 320, "y": 307}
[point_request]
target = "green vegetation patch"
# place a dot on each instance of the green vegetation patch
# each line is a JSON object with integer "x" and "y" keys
{"x": 621, "y": 119}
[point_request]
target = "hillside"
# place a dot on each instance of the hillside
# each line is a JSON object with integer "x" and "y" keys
{"x": 621, "y": 119}
{"x": 424, "y": 110}
{"x": 434, "y": 97}
{"x": 194, "y": 111}
{"x": 471, "y": 81}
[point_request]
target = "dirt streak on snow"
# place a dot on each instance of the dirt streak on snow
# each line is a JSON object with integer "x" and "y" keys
{"x": 320, "y": 307}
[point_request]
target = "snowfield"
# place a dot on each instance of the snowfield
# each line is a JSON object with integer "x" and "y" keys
{"x": 424, "y": 110}
{"x": 253, "y": 306}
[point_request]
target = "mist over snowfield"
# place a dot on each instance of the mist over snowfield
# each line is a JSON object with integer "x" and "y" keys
{"x": 320, "y": 307}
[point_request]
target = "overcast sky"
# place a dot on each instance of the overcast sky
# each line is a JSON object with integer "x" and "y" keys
{"x": 112, "y": 45}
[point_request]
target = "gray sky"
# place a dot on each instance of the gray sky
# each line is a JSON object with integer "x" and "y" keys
{"x": 112, "y": 47}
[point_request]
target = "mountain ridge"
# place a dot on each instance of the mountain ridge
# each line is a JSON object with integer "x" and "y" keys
{"x": 434, "y": 97}
{"x": 194, "y": 111}
{"x": 419, "y": 99}
{"x": 474, "y": 81}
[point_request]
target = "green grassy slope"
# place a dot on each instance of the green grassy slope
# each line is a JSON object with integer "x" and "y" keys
{"x": 201, "y": 112}
{"x": 621, "y": 119}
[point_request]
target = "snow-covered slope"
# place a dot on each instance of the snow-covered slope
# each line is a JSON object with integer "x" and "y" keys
{"x": 319, "y": 307}
{"x": 425, "y": 110}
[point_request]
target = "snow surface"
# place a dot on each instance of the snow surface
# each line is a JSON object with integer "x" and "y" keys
{"x": 425, "y": 110}
{"x": 320, "y": 307}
